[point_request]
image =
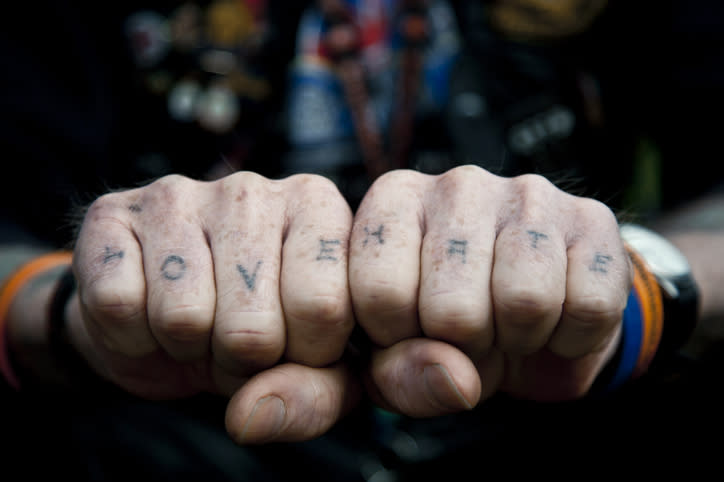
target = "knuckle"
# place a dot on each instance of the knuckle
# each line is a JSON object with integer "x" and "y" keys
{"x": 262, "y": 347}
{"x": 311, "y": 183}
{"x": 527, "y": 183}
{"x": 168, "y": 191}
{"x": 399, "y": 178}
{"x": 245, "y": 178}
{"x": 114, "y": 306}
{"x": 185, "y": 323}
{"x": 596, "y": 310}
{"x": 469, "y": 173}
{"x": 170, "y": 185}
{"x": 463, "y": 180}
{"x": 382, "y": 296}
{"x": 324, "y": 311}
{"x": 526, "y": 305}
{"x": 241, "y": 185}
{"x": 598, "y": 211}
{"x": 104, "y": 207}
{"x": 452, "y": 321}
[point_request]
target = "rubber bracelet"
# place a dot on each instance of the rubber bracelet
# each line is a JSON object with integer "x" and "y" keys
{"x": 650, "y": 299}
{"x": 642, "y": 326}
{"x": 11, "y": 287}
{"x": 631, "y": 335}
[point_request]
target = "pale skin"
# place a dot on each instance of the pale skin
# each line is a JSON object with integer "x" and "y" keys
{"x": 467, "y": 284}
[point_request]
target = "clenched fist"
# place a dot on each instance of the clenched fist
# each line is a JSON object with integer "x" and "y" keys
{"x": 469, "y": 283}
{"x": 237, "y": 286}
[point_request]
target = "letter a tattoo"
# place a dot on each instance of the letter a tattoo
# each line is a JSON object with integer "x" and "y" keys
{"x": 456, "y": 246}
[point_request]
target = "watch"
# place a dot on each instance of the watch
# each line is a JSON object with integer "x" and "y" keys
{"x": 680, "y": 293}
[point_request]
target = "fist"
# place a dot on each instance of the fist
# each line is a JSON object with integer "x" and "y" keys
{"x": 189, "y": 286}
{"x": 469, "y": 283}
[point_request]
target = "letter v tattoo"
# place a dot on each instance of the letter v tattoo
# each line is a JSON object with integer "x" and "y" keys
{"x": 249, "y": 280}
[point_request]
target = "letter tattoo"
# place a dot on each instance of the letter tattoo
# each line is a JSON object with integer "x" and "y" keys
{"x": 111, "y": 255}
{"x": 249, "y": 280}
{"x": 377, "y": 234}
{"x": 600, "y": 263}
{"x": 326, "y": 248}
{"x": 535, "y": 236}
{"x": 173, "y": 267}
{"x": 456, "y": 246}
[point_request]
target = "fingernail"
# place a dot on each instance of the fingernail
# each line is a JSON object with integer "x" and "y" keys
{"x": 442, "y": 391}
{"x": 265, "y": 421}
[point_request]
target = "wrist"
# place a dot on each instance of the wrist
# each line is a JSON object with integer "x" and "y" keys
{"x": 24, "y": 294}
{"x": 662, "y": 308}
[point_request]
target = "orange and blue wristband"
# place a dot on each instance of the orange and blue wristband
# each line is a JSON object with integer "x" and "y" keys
{"x": 642, "y": 326}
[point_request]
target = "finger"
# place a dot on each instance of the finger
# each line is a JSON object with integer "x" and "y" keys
{"x": 457, "y": 250}
{"x": 245, "y": 223}
{"x": 290, "y": 402}
{"x": 529, "y": 273}
{"x": 108, "y": 264}
{"x": 599, "y": 280}
{"x": 314, "y": 288}
{"x": 384, "y": 262}
{"x": 420, "y": 377}
{"x": 181, "y": 296}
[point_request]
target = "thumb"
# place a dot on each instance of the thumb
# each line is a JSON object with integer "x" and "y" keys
{"x": 421, "y": 377}
{"x": 290, "y": 402}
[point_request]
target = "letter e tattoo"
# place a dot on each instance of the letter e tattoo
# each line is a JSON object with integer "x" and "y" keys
{"x": 326, "y": 248}
{"x": 600, "y": 263}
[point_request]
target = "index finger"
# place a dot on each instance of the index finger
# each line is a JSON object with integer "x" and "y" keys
{"x": 384, "y": 261}
{"x": 313, "y": 284}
